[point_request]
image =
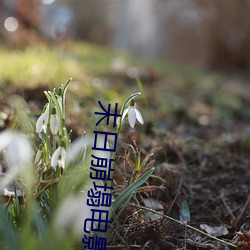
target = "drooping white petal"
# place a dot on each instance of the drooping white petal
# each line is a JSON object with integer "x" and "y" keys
{"x": 124, "y": 113}
{"x": 54, "y": 124}
{"x": 55, "y": 156}
{"x": 42, "y": 121}
{"x": 59, "y": 99}
{"x": 44, "y": 127}
{"x": 39, "y": 123}
{"x": 132, "y": 117}
{"x": 59, "y": 157}
{"x": 46, "y": 112}
{"x": 62, "y": 161}
{"x": 139, "y": 116}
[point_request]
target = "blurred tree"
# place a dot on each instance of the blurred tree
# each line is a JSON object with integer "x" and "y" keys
{"x": 92, "y": 20}
{"x": 211, "y": 33}
{"x": 229, "y": 34}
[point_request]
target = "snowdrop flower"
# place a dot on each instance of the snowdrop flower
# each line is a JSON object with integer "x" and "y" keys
{"x": 71, "y": 214}
{"x": 133, "y": 114}
{"x": 42, "y": 122}
{"x": 59, "y": 157}
{"x": 54, "y": 121}
{"x": 78, "y": 148}
{"x": 17, "y": 152}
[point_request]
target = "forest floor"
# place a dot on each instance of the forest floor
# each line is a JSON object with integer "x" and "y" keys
{"x": 196, "y": 135}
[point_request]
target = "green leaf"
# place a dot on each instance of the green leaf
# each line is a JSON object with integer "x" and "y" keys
{"x": 185, "y": 212}
{"x": 10, "y": 236}
{"x": 122, "y": 208}
{"x": 128, "y": 191}
{"x": 39, "y": 222}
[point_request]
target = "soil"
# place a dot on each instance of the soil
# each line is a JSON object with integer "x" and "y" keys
{"x": 204, "y": 165}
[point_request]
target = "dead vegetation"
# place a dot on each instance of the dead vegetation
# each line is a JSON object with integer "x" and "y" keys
{"x": 197, "y": 138}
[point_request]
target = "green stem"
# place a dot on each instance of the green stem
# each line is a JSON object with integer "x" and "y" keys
{"x": 65, "y": 87}
{"x": 52, "y": 95}
{"x": 118, "y": 128}
{"x": 54, "y": 142}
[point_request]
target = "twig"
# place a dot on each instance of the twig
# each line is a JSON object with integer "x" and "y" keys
{"x": 121, "y": 246}
{"x": 185, "y": 242}
{"x": 184, "y": 224}
{"x": 239, "y": 217}
{"x": 227, "y": 207}
{"x": 173, "y": 202}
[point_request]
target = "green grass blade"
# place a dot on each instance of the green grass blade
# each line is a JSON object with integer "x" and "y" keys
{"x": 122, "y": 209}
{"x": 128, "y": 191}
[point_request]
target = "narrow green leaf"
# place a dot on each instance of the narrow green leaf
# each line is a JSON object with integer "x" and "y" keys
{"x": 65, "y": 87}
{"x": 128, "y": 191}
{"x": 185, "y": 212}
{"x": 39, "y": 222}
{"x": 122, "y": 209}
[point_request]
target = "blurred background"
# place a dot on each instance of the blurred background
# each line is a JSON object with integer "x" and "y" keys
{"x": 193, "y": 60}
{"x": 212, "y": 34}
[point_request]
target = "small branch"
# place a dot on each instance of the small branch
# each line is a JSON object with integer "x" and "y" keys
{"x": 173, "y": 202}
{"x": 122, "y": 246}
{"x": 239, "y": 217}
{"x": 184, "y": 224}
{"x": 227, "y": 207}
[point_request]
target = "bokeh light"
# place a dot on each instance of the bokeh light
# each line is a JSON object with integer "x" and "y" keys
{"x": 58, "y": 31}
{"x": 11, "y": 24}
{"x": 48, "y": 2}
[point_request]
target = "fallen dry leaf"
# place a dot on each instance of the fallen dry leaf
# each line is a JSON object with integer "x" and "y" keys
{"x": 215, "y": 231}
{"x": 245, "y": 236}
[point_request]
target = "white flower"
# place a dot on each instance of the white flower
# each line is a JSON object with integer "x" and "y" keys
{"x": 71, "y": 214}
{"x": 59, "y": 157}
{"x": 42, "y": 122}
{"x": 133, "y": 114}
{"x": 54, "y": 121}
{"x": 17, "y": 152}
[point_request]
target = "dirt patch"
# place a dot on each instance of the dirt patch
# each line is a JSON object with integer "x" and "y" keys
{"x": 203, "y": 162}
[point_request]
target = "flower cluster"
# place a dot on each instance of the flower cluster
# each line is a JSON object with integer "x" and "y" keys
{"x": 52, "y": 151}
{"x": 56, "y": 152}
{"x": 51, "y": 115}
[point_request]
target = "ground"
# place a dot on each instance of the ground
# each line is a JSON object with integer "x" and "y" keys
{"x": 196, "y": 125}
